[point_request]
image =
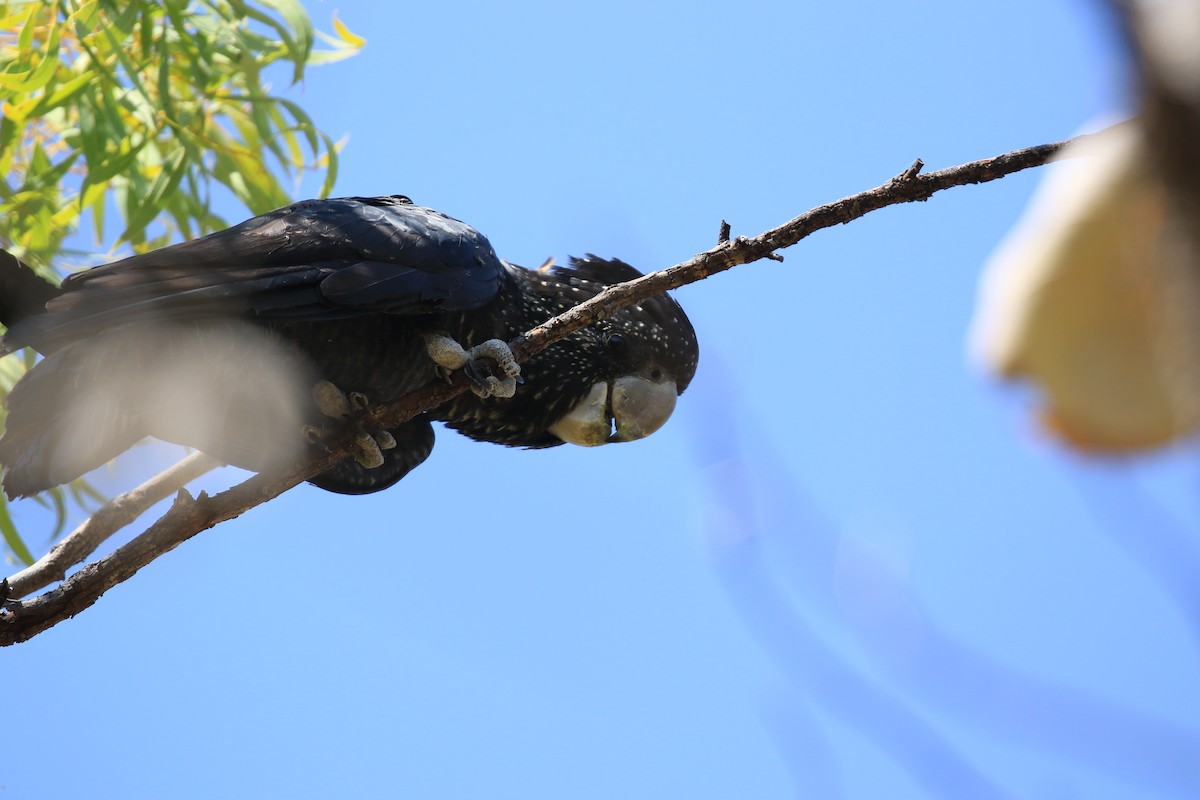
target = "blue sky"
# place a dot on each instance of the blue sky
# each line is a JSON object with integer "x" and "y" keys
{"x": 849, "y": 567}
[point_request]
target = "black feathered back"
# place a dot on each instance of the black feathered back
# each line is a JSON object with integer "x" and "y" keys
{"x": 314, "y": 260}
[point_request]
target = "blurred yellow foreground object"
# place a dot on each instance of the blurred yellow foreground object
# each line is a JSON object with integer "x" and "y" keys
{"x": 1093, "y": 299}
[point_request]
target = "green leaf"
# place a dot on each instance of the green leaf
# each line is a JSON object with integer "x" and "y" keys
{"x": 25, "y": 40}
{"x": 149, "y": 205}
{"x": 30, "y": 80}
{"x": 295, "y": 30}
{"x": 11, "y": 537}
{"x": 106, "y": 168}
{"x": 55, "y": 500}
{"x": 61, "y": 94}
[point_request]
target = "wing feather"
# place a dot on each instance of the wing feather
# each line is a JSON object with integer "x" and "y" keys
{"x": 313, "y": 260}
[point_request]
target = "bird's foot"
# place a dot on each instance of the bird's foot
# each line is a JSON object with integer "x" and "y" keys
{"x": 315, "y": 435}
{"x": 336, "y": 404}
{"x": 493, "y": 370}
{"x": 331, "y": 401}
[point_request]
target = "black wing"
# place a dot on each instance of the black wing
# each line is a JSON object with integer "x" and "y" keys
{"x": 317, "y": 259}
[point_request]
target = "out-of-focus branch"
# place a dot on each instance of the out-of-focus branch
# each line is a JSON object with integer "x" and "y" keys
{"x": 123, "y": 509}
{"x": 1162, "y": 37}
{"x": 20, "y": 620}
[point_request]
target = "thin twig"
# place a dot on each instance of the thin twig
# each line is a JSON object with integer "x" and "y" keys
{"x": 906, "y": 188}
{"x": 21, "y": 620}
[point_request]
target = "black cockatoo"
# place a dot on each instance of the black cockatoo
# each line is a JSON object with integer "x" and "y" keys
{"x": 245, "y": 343}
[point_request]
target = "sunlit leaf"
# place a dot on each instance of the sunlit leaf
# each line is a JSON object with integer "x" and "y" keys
{"x": 346, "y": 35}
{"x": 61, "y": 94}
{"x": 27, "y": 26}
{"x": 11, "y": 538}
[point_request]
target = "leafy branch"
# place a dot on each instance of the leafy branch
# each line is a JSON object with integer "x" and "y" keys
{"x": 147, "y": 108}
{"x": 22, "y": 619}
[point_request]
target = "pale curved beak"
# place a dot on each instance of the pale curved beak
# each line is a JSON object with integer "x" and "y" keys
{"x": 640, "y": 407}
{"x": 588, "y": 423}
{"x": 637, "y": 406}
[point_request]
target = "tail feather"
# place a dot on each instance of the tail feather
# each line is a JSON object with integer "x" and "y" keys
{"x": 23, "y": 292}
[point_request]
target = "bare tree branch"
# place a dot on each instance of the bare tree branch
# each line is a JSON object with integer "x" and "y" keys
{"x": 123, "y": 509}
{"x": 20, "y": 620}
{"x": 908, "y": 187}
